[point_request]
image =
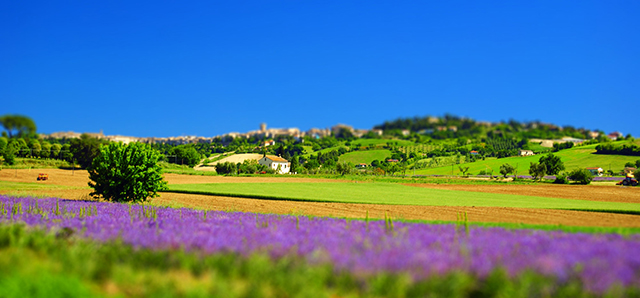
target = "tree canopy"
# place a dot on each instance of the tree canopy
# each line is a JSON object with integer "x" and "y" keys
{"x": 18, "y": 125}
{"x": 552, "y": 163}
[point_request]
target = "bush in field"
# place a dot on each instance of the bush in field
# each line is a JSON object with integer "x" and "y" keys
{"x": 581, "y": 176}
{"x": 126, "y": 173}
{"x": 561, "y": 179}
{"x": 637, "y": 174}
{"x": 506, "y": 169}
{"x": 537, "y": 170}
{"x": 226, "y": 168}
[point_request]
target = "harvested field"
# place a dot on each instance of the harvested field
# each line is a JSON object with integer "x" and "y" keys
{"x": 605, "y": 193}
{"x": 79, "y": 179}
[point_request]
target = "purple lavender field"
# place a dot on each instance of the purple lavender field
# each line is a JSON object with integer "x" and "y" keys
{"x": 362, "y": 248}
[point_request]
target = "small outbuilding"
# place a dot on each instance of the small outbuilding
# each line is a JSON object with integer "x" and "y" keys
{"x": 525, "y": 152}
{"x": 596, "y": 171}
{"x": 278, "y": 164}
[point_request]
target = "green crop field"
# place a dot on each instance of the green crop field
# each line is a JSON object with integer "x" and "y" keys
{"x": 577, "y": 157}
{"x": 390, "y": 193}
{"x": 366, "y": 156}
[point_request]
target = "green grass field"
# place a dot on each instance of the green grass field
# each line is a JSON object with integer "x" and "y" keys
{"x": 397, "y": 194}
{"x": 577, "y": 157}
{"x": 366, "y": 156}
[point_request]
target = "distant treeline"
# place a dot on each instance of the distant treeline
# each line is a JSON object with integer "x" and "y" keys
{"x": 450, "y": 126}
{"x": 626, "y": 149}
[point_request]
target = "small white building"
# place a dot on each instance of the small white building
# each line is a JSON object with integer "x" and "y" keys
{"x": 525, "y": 152}
{"x": 274, "y": 162}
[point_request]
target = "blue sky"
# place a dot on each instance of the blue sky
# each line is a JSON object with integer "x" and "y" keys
{"x": 163, "y": 68}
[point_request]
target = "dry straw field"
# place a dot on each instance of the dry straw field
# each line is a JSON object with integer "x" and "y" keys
{"x": 73, "y": 185}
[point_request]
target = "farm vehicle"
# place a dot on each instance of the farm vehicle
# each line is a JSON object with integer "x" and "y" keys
{"x": 628, "y": 181}
{"x": 42, "y": 177}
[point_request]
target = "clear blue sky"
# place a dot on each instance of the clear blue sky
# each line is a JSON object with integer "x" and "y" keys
{"x": 170, "y": 68}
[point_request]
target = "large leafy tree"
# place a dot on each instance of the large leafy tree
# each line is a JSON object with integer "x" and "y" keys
{"x": 85, "y": 149}
{"x": 126, "y": 173}
{"x": 185, "y": 154}
{"x": 18, "y": 125}
{"x": 506, "y": 169}
{"x": 537, "y": 170}
{"x": 552, "y": 163}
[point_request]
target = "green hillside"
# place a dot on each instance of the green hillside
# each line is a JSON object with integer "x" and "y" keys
{"x": 366, "y": 156}
{"x": 577, "y": 157}
{"x": 381, "y": 142}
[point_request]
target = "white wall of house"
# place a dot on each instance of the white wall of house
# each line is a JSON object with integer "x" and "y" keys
{"x": 285, "y": 166}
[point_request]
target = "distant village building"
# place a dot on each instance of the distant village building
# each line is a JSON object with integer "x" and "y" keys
{"x": 473, "y": 152}
{"x": 278, "y": 164}
{"x": 268, "y": 143}
{"x": 615, "y": 135}
{"x": 525, "y": 152}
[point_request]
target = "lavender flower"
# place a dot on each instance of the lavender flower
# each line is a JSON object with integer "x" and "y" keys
{"x": 362, "y": 248}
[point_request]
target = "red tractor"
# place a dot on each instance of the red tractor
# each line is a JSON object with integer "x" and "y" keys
{"x": 42, "y": 177}
{"x": 628, "y": 181}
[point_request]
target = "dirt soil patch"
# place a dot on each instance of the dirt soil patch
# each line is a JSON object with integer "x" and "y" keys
{"x": 606, "y": 193}
{"x": 78, "y": 181}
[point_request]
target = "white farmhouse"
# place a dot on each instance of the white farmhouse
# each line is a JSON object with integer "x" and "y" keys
{"x": 525, "y": 152}
{"x": 274, "y": 162}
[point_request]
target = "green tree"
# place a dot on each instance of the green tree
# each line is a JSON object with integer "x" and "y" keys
{"x": 537, "y": 170}
{"x": 18, "y": 125}
{"x": 3, "y": 144}
{"x": 463, "y": 170}
{"x": 65, "y": 151}
{"x": 506, "y": 169}
{"x": 21, "y": 147}
{"x": 552, "y": 163}
{"x": 311, "y": 164}
{"x": 295, "y": 165}
{"x": 126, "y": 173}
{"x": 344, "y": 168}
{"x": 629, "y": 165}
{"x": 55, "y": 151}
{"x": 636, "y": 174}
{"x": 186, "y": 154}
{"x": 35, "y": 147}
{"x": 45, "y": 152}
{"x": 581, "y": 176}
{"x": 85, "y": 149}
{"x": 226, "y": 168}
